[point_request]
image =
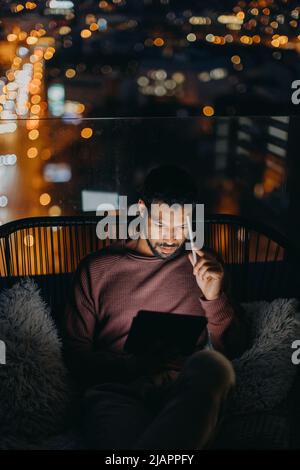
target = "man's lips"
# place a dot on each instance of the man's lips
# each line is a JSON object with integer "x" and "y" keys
{"x": 167, "y": 249}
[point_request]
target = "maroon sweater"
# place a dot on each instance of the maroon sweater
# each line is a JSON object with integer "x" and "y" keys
{"x": 109, "y": 288}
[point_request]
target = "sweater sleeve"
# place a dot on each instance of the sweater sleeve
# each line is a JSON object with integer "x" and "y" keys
{"x": 224, "y": 325}
{"x": 87, "y": 365}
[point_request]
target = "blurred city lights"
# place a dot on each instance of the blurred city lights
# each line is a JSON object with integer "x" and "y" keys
{"x": 191, "y": 37}
{"x": 33, "y": 134}
{"x": 46, "y": 154}
{"x": 87, "y": 133}
{"x": 158, "y": 42}
{"x": 45, "y": 199}
{"x": 102, "y": 24}
{"x": 7, "y": 128}
{"x": 61, "y": 4}
{"x": 54, "y": 211}
{"x": 3, "y": 201}
{"x": 235, "y": 59}
{"x": 57, "y": 172}
{"x": 55, "y": 53}
{"x": 85, "y": 33}
{"x": 231, "y": 19}
{"x": 56, "y": 99}
{"x": 32, "y": 152}
{"x": 208, "y": 111}
{"x": 9, "y": 159}
{"x": 70, "y": 73}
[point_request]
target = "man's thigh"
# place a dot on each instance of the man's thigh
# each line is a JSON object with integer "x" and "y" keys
{"x": 114, "y": 415}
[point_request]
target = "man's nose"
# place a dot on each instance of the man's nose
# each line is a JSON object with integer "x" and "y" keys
{"x": 169, "y": 234}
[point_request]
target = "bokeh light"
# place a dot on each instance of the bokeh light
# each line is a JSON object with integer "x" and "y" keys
{"x": 45, "y": 199}
{"x": 33, "y": 134}
{"x": 87, "y": 133}
{"x": 208, "y": 111}
{"x": 32, "y": 152}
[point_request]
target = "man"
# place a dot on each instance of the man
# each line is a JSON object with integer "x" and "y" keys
{"x": 158, "y": 400}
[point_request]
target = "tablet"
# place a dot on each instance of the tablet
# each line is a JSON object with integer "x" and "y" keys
{"x": 180, "y": 331}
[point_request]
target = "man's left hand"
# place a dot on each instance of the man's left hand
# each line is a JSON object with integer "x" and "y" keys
{"x": 209, "y": 274}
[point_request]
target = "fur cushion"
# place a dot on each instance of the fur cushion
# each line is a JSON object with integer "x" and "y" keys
{"x": 265, "y": 372}
{"x": 34, "y": 386}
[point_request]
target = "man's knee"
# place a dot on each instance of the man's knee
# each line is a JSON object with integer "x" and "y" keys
{"x": 210, "y": 370}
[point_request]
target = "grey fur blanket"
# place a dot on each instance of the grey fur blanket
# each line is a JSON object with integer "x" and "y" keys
{"x": 265, "y": 372}
{"x": 34, "y": 386}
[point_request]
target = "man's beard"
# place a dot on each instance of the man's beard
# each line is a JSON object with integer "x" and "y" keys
{"x": 156, "y": 253}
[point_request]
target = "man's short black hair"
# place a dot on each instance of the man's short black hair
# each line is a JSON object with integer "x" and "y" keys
{"x": 169, "y": 184}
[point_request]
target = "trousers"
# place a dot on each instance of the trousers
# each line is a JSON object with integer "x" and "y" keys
{"x": 183, "y": 414}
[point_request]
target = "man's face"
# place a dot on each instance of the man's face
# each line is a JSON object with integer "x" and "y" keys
{"x": 167, "y": 228}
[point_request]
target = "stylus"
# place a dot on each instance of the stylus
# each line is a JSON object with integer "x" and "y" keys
{"x": 191, "y": 240}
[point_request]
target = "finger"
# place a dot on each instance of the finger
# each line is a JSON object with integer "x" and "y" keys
{"x": 209, "y": 264}
{"x": 199, "y": 265}
{"x": 202, "y": 265}
{"x": 204, "y": 253}
{"x": 206, "y": 256}
{"x": 204, "y": 261}
{"x": 205, "y": 273}
{"x": 217, "y": 266}
{"x": 210, "y": 255}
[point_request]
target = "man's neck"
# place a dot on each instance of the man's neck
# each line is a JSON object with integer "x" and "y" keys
{"x": 140, "y": 246}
